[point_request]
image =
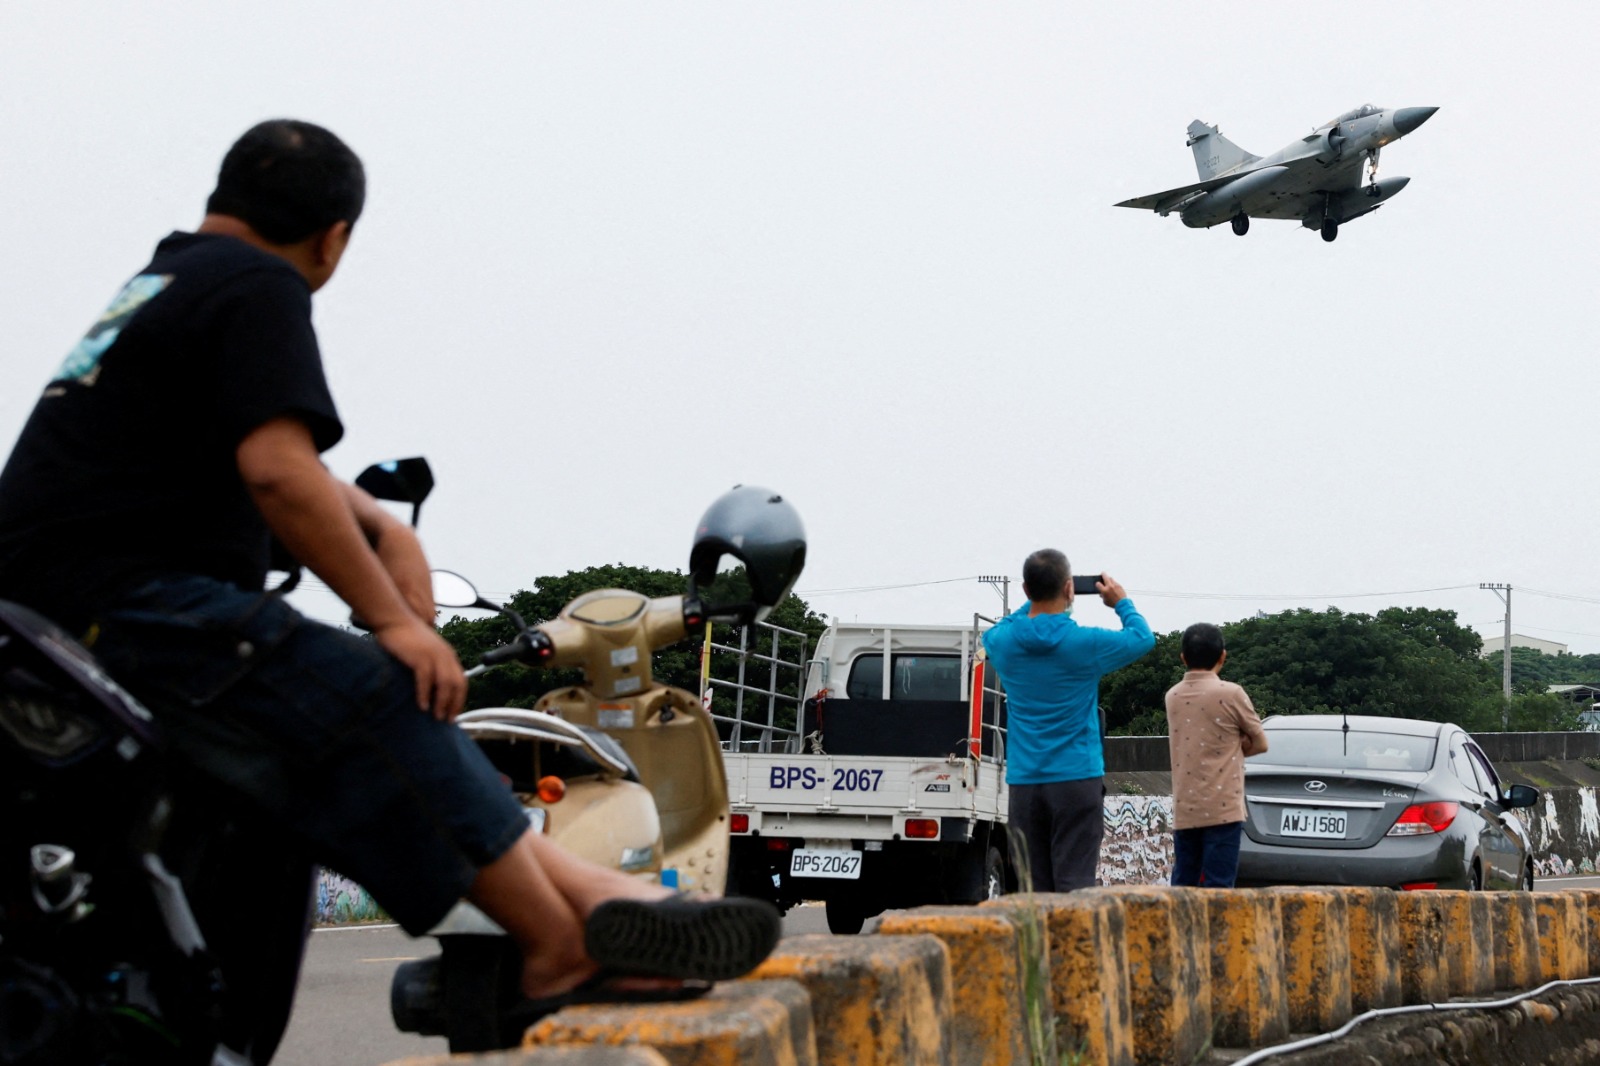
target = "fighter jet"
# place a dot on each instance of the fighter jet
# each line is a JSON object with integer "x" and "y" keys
{"x": 1317, "y": 179}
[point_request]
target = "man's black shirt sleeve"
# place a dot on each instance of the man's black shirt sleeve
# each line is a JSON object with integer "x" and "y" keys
{"x": 267, "y": 363}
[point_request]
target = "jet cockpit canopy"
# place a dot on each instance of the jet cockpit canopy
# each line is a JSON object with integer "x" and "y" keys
{"x": 1361, "y": 112}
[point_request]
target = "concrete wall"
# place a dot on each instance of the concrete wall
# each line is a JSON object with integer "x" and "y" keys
{"x": 1565, "y": 830}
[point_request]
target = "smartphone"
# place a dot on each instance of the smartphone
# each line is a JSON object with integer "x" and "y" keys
{"x": 1083, "y": 584}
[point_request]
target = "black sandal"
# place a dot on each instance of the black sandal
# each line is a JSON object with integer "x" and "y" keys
{"x": 683, "y": 937}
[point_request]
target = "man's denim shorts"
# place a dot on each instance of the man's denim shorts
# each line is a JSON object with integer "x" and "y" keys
{"x": 318, "y": 730}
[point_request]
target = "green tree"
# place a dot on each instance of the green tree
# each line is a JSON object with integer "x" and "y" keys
{"x": 1404, "y": 662}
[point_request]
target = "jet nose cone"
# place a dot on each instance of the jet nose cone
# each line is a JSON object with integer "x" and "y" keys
{"x": 1409, "y": 118}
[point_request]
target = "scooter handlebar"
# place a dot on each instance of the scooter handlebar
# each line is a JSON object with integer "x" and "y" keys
{"x": 532, "y": 646}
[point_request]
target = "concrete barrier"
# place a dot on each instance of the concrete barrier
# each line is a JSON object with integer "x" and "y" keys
{"x": 1516, "y": 940}
{"x": 875, "y": 1001}
{"x": 1169, "y": 982}
{"x": 1424, "y": 966}
{"x": 1316, "y": 958}
{"x": 987, "y": 1005}
{"x": 741, "y": 1023}
{"x": 1248, "y": 1007}
{"x": 1469, "y": 945}
{"x": 1563, "y": 932}
{"x": 1125, "y": 976}
{"x": 1086, "y": 944}
{"x": 1589, "y": 898}
{"x": 1374, "y": 948}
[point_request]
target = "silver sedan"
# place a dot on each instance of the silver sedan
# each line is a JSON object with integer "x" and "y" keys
{"x": 1391, "y": 802}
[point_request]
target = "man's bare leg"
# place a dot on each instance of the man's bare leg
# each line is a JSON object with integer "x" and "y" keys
{"x": 541, "y": 895}
{"x": 519, "y": 895}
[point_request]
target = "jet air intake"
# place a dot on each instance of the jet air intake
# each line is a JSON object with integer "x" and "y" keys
{"x": 1219, "y": 205}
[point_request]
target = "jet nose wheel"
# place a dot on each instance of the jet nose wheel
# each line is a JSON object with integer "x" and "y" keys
{"x": 1330, "y": 230}
{"x": 1241, "y": 224}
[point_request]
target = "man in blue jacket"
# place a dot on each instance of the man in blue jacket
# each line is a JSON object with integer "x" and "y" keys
{"x": 1051, "y": 668}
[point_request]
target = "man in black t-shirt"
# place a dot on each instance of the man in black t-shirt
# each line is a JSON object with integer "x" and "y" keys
{"x": 181, "y": 434}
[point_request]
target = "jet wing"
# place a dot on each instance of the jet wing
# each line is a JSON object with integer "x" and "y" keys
{"x": 1165, "y": 201}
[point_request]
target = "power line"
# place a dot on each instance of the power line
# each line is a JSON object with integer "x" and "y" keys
{"x": 1559, "y": 595}
{"x": 883, "y": 588}
{"x": 1283, "y": 596}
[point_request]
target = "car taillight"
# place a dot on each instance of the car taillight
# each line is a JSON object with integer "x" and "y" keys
{"x": 739, "y": 823}
{"x": 1421, "y": 818}
{"x": 779, "y": 844}
{"x": 922, "y": 828}
{"x": 1419, "y": 886}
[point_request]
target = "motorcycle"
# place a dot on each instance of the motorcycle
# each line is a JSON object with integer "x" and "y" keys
{"x": 619, "y": 769}
{"x": 144, "y": 918}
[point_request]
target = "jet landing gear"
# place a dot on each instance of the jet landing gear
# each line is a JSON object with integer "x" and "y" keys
{"x": 1330, "y": 229}
{"x": 1241, "y": 224}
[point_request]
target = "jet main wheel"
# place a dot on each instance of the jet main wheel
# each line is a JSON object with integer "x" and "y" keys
{"x": 1241, "y": 224}
{"x": 1330, "y": 230}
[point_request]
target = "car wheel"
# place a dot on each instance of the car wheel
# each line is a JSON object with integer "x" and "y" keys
{"x": 1527, "y": 876}
{"x": 1475, "y": 879}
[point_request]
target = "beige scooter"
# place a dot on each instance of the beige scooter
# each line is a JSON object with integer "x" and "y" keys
{"x": 619, "y": 769}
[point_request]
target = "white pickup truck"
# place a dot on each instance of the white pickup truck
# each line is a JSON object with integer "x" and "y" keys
{"x": 889, "y": 792}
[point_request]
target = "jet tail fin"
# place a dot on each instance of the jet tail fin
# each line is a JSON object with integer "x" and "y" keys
{"x": 1213, "y": 153}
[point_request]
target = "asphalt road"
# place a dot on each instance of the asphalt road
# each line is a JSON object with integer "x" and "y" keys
{"x": 341, "y": 1016}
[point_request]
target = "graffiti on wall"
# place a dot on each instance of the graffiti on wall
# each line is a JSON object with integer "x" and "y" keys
{"x": 1138, "y": 843}
{"x": 1564, "y": 828}
{"x": 340, "y": 901}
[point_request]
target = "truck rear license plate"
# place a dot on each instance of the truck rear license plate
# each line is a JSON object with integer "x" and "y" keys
{"x": 815, "y": 862}
{"x": 1301, "y": 822}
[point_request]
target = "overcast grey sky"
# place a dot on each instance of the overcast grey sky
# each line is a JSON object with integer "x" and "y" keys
{"x": 618, "y": 257}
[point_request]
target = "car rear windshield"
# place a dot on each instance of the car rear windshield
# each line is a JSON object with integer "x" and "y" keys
{"x": 1332, "y": 749}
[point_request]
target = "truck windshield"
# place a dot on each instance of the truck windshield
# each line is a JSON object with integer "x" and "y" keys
{"x": 913, "y": 677}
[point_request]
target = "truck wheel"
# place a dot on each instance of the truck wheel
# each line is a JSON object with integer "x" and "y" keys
{"x": 994, "y": 875}
{"x": 846, "y": 916}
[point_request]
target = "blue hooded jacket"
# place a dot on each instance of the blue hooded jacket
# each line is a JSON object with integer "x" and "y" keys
{"x": 1051, "y": 668}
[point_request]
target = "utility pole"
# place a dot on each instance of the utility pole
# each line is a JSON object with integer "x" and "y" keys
{"x": 1504, "y": 592}
{"x": 1002, "y": 585}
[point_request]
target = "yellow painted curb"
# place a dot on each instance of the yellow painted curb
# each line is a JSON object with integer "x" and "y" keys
{"x": 1316, "y": 958}
{"x": 1424, "y": 966}
{"x": 1248, "y": 1008}
{"x": 1374, "y": 948}
{"x": 1169, "y": 981}
{"x": 1516, "y": 940}
{"x": 740, "y": 1023}
{"x": 1563, "y": 930}
{"x": 1469, "y": 949}
{"x": 875, "y": 1001}
{"x": 1086, "y": 938}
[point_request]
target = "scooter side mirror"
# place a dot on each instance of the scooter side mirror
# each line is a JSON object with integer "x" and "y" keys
{"x": 450, "y": 589}
{"x": 401, "y": 480}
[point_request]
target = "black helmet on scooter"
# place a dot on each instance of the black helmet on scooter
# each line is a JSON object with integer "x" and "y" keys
{"x": 760, "y": 529}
